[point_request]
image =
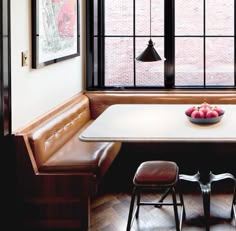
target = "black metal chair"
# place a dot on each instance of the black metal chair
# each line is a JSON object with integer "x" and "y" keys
{"x": 156, "y": 176}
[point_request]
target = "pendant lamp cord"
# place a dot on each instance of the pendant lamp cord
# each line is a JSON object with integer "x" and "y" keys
{"x": 150, "y": 17}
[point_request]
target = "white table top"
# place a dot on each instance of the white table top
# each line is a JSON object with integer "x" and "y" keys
{"x": 158, "y": 123}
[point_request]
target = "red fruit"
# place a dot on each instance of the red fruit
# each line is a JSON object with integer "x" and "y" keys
{"x": 218, "y": 110}
{"x": 211, "y": 114}
{"x": 190, "y": 110}
{"x": 205, "y": 104}
{"x": 204, "y": 110}
{"x": 197, "y": 114}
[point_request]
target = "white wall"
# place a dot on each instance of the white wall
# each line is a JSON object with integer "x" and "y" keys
{"x": 36, "y": 91}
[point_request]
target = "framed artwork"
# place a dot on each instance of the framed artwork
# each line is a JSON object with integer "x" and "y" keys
{"x": 55, "y": 31}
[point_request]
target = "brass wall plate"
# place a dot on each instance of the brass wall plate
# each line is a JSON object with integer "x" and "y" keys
{"x": 25, "y": 58}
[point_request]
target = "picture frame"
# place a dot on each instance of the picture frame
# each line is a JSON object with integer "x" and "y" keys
{"x": 55, "y": 31}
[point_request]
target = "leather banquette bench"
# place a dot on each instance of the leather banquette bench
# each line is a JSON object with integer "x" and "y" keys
{"x": 58, "y": 174}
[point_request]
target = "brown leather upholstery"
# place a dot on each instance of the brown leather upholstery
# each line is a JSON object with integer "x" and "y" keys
{"x": 56, "y": 146}
{"x": 76, "y": 156}
{"x": 100, "y": 100}
{"x": 50, "y": 135}
{"x": 56, "y": 172}
{"x": 156, "y": 173}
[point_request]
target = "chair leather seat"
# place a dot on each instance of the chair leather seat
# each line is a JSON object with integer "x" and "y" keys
{"x": 156, "y": 173}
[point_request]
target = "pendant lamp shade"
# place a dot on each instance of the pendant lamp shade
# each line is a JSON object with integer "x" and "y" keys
{"x": 149, "y": 54}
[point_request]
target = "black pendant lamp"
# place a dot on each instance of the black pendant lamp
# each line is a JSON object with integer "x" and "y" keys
{"x": 149, "y": 54}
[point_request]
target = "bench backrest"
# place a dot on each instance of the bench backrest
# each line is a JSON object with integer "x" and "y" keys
{"x": 50, "y": 134}
{"x": 100, "y": 100}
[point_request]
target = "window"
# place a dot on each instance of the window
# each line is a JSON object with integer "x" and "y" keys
{"x": 195, "y": 38}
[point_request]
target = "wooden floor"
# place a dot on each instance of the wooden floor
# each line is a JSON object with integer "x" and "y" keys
{"x": 109, "y": 212}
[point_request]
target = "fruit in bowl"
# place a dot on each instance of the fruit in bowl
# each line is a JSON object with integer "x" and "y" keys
{"x": 204, "y": 113}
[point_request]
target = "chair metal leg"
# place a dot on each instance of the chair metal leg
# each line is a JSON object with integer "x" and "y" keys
{"x": 177, "y": 222}
{"x": 138, "y": 203}
{"x": 181, "y": 201}
{"x": 183, "y": 205}
{"x": 130, "y": 216}
{"x": 178, "y": 190}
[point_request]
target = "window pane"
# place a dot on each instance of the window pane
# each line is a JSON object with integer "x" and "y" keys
{"x": 142, "y": 24}
{"x": 95, "y": 18}
{"x": 220, "y": 17}
{"x": 150, "y": 73}
{"x": 189, "y": 61}
{"x": 118, "y": 17}
{"x": 119, "y": 68}
{"x": 219, "y": 61}
{"x": 95, "y": 60}
{"x": 189, "y": 17}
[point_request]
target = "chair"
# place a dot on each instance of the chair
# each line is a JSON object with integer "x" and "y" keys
{"x": 156, "y": 176}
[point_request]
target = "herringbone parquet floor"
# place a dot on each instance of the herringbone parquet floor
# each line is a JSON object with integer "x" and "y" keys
{"x": 109, "y": 212}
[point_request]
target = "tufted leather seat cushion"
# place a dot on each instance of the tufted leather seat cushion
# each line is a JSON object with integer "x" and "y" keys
{"x": 77, "y": 156}
{"x": 156, "y": 173}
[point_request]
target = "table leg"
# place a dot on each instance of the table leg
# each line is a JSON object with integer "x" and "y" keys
{"x": 206, "y": 197}
{"x": 205, "y": 185}
{"x": 233, "y": 209}
{"x": 206, "y": 192}
{"x": 223, "y": 176}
